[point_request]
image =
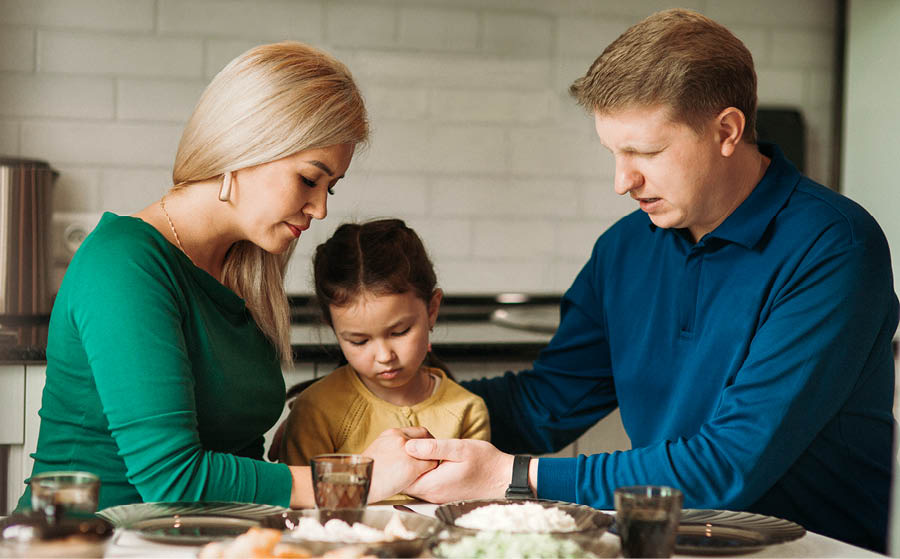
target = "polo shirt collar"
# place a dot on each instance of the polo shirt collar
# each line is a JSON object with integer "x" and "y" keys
{"x": 749, "y": 221}
{"x": 747, "y": 224}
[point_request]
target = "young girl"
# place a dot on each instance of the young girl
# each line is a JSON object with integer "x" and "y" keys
{"x": 377, "y": 290}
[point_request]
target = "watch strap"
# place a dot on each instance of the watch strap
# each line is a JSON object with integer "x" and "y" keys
{"x": 518, "y": 486}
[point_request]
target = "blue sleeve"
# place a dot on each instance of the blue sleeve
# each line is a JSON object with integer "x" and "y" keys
{"x": 570, "y": 387}
{"x": 812, "y": 349}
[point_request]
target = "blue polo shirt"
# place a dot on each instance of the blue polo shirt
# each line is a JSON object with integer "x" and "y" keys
{"x": 753, "y": 368}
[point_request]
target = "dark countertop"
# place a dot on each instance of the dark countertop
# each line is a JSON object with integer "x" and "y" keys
{"x": 465, "y": 331}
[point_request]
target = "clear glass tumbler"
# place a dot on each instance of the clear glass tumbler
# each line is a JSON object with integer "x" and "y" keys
{"x": 341, "y": 485}
{"x": 647, "y": 518}
{"x": 57, "y": 493}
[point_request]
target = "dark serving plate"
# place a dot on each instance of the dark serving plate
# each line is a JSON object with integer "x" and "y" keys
{"x": 588, "y": 521}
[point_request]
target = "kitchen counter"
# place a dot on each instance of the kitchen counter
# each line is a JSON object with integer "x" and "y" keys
{"x": 468, "y": 327}
{"x": 458, "y": 340}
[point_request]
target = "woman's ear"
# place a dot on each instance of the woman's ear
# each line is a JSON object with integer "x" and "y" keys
{"x": 434, "y": 306}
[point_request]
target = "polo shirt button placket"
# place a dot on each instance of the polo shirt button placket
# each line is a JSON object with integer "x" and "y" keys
{"x": 690, "y": 283}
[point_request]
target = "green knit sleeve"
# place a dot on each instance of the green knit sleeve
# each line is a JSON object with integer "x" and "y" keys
{"x": 129, "y": 313}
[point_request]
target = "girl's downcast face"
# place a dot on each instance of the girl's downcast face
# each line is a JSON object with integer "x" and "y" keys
{"x": 385, "y": 339}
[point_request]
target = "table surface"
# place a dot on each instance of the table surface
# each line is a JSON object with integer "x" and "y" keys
{"x": 129, "y": 544}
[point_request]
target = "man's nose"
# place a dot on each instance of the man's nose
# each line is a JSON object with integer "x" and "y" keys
{"x": 627, "y": 178}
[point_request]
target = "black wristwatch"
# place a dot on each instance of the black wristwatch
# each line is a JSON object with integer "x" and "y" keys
{"x": 518, "y": 486}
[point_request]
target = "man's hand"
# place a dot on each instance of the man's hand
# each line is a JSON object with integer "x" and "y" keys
{"x": 394, "y": 469}
{"x": 469, "y": 469}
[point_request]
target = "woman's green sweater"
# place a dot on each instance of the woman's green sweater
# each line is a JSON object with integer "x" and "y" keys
{"x": 158, "y": 379}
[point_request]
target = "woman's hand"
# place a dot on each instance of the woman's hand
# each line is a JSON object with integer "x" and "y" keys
{"x": 469, "y": 469}
{"x": 394, "y": 469}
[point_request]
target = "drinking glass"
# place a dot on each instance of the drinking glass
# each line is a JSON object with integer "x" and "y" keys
{"x": 647, "y": 518}
{"x": 341, "y": 485}
{"x": 57, "y": 493}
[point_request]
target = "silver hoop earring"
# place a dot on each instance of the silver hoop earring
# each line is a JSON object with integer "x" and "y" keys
{"x": 225, "y": 191}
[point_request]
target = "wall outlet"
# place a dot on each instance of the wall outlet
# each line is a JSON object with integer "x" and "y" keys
{"x": 68, "y": 230}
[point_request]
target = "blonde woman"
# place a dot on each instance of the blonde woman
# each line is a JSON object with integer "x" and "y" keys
{"x": 170, "y": 327}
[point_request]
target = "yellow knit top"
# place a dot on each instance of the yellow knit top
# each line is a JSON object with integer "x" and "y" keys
{"x": 340, "y": 414}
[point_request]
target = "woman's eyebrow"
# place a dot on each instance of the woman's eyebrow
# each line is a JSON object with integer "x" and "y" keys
{"x": 324, "y": 167}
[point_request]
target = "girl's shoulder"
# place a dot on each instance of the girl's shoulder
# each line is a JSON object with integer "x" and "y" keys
{"x": 332, "y": 389}
{"x": 452, "y": 391}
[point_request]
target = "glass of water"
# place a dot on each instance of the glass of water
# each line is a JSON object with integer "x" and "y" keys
{"x": 57, "y": 493}
{"x": 341, "y": 485}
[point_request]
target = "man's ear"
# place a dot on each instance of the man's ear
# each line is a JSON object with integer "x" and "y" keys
{"x": 730, "y": 125}
{"x": 434, "y": 306}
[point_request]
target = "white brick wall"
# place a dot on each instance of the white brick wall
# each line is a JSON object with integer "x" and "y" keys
{"x": 476, "y": 142}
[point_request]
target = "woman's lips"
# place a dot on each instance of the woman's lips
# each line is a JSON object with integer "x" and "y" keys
{"x": 295, "y": 231}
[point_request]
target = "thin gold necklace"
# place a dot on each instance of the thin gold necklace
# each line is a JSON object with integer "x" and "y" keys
{"x": 162, "y": 204}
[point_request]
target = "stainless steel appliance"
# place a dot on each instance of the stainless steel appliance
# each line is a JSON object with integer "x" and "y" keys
{"x": 25, "y": 213}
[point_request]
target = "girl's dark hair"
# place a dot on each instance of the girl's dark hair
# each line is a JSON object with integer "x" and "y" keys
{"x": 381, "y": 257}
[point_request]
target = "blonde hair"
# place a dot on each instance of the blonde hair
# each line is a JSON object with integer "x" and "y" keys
{"x": 270, "y": 102}
{"x": 675, "y": 58}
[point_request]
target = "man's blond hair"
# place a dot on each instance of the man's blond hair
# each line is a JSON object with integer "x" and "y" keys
{"x": 675, "y": 58}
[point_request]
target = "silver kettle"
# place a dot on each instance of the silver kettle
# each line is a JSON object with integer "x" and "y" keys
{"x": 25, "y": 264}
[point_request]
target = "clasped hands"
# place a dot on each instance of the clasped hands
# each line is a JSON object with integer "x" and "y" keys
{"x": 409, "y": 460}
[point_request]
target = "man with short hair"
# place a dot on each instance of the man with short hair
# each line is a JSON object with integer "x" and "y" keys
{"x": 741, "y": 319}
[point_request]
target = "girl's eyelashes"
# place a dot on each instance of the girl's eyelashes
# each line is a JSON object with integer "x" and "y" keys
{"x": 401, "y": 333}
{"x": 331, "y": 190}
{"x": 357, "y": 342}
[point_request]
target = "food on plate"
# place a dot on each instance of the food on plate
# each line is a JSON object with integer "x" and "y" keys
{"x": 524, "y": 517}
{"x": 502, "y": 545}
{"x": 254, "y": 543}
{"x": 336, "y": 530}
{"x": 264, "y": 543}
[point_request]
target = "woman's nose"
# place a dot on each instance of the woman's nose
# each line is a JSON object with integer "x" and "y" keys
{"x": 627, "y": 178}
{"x": 317, "y": 206}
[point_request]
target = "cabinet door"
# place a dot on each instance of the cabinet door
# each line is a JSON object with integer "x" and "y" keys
{"x": 12, "y": 404}
{"x": 35, "y": 376}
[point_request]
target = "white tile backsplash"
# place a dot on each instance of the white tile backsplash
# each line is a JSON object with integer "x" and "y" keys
{"x": 119, "y": 55}
{"x": 112, "y": 15}
{"x": 437, "y": 29}
{"x": 360, "y": 24}
{"x": 112, "y": 143}
{"x": 16, "y": 49}
{"x": 9, "y": 137}
{"x": 157, "y": 99}
{"x": 476, "y": 142}
{"x": 519, "y": 34}
{"x": 588, "y": 36}
{"x": 38, "y": 95}
{"x": 265, "y": 21}
{"x": 790, "y": 14}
